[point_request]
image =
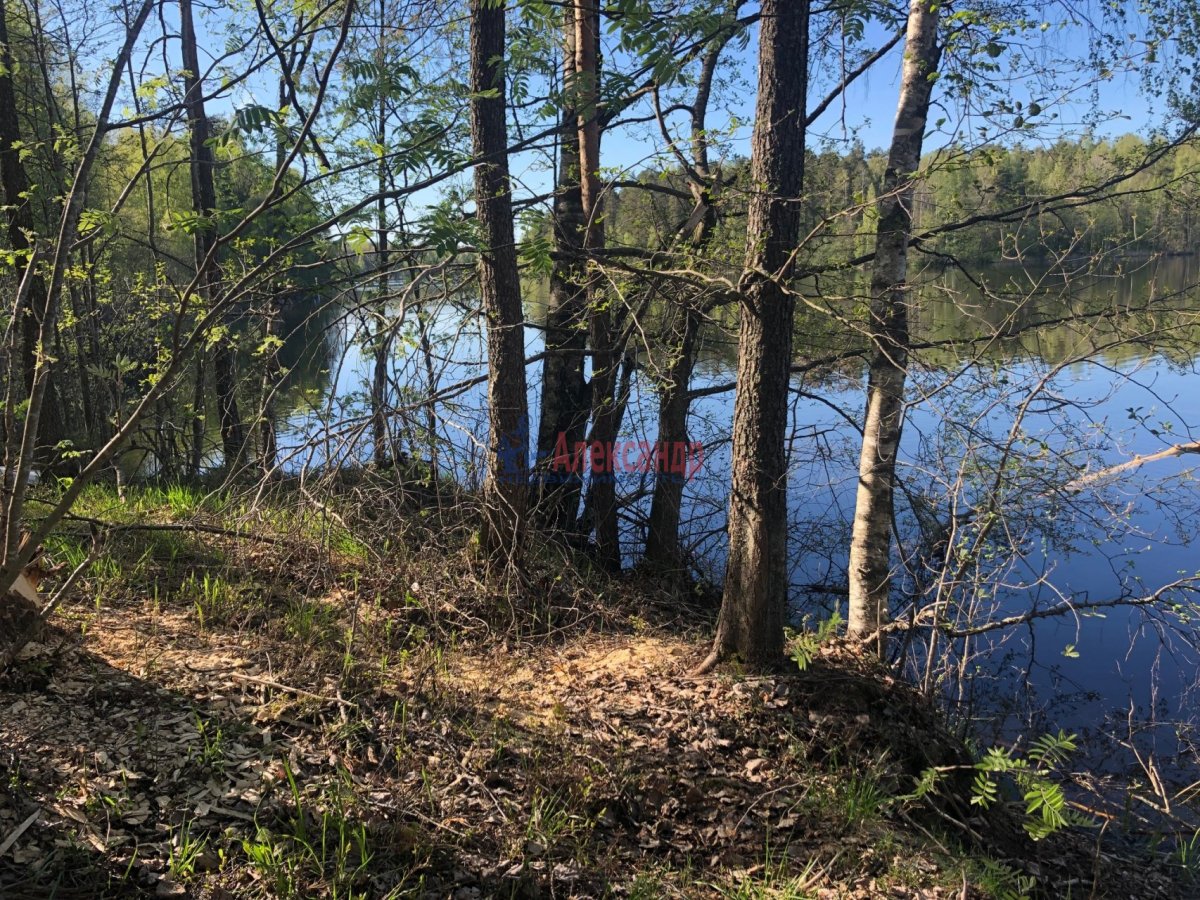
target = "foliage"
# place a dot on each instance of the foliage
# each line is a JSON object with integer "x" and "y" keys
{"x": 1032, "y": 777}
{"x": 804, "y": 645}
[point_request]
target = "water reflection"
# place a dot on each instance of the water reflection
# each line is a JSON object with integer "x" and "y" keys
{"x": 1110, "y": 354}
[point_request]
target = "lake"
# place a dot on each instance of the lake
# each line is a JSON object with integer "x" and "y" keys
{"x": 1004, "y": 412}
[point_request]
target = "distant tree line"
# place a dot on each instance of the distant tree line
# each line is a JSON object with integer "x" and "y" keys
{"x": 1155, "y": 211}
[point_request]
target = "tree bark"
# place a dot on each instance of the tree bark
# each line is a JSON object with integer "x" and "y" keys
{"x": 663, "y": 553}
{"x": 204, "y": 202}
{"x": 607, "y": 406}
{"x": 681, "y": 339}
{"x": 754, "y": 604}
{"x": 199, "y": 393}
{"x": 870, "y": 543}
{"x": 268, "y": 454}
{"x": 381, "y": 437}
{"x": 565, "y": 402}
{"x": 21, "y": 228}
{"x": 268, "y": 451}
{"x": 506, "y": 486}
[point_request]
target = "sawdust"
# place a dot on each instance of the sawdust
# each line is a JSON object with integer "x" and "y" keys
{"x": 531, "y": 689}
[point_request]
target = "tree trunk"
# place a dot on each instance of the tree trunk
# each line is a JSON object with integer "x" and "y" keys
{"x": 663, "y": 553}
{"x": 431, "y": 418}
{"x": 608, "y": 409}
{"x": 381, "y": 438}
{"x": 870, "y": 544}
{"x": 196, "y": 460}
{"x": 603, "y": 330}
{"x": 21, "y": 228}
{"x": 268, "y": 454}
{"x": 268, "y": 451}
{"x": 680, "y": 340}
{"x": 565, "y": 402}
{"x": 754, "y": 605}
{"x": 225, "y": 381}
{"x": 506, "y": 486}
{"x": 204, "y": 202}
{"x": 380, "y": 432}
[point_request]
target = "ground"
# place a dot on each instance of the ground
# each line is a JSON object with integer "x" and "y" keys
{"x": 217, "y": 717}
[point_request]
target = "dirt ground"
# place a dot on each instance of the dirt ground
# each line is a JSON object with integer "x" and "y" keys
{"x": 146, "y": 751}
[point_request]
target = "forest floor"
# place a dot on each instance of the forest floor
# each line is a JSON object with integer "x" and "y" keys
{"x": 295, "y": 715}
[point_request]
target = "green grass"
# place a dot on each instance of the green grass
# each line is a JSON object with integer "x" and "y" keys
{"x": 320, "y": 841}
{"x": 327, "y": 835}
{"x": 861, "y": 798}
{"x": 776, "y": 878}
{"x": 211, "y": 754}
{"x": 215, "y": 601}
{"x": 186, "y": 848}
{"x": 310, "y": 621}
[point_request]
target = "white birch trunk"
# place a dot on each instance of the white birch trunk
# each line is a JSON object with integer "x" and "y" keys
{"x": 870, "y": 546}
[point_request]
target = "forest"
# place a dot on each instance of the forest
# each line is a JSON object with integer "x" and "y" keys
{"x": 599, "y": 448}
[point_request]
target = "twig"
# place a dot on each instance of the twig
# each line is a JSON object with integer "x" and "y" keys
{"x": 19, "y": 830}
{"x": 266, "y": 682}
{"x": 117, "y": 528}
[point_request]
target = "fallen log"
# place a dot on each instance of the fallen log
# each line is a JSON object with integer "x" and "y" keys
{"x": 1088, "y": 479}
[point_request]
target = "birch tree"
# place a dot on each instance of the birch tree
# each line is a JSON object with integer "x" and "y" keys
{"x": 870, "y": 547}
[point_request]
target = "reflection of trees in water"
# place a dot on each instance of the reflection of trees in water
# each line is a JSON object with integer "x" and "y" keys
{"x": 431, "y": 408}
{"x": 1003, "y": 315}
{"x": 1120, "y": 316}
{"x": 986, "y": 341}
{"x": 311, "y": 342}
{"x": 1130, "y": 314}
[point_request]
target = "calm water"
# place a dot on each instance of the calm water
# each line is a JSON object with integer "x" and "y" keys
{"x": 1135, "y": 393}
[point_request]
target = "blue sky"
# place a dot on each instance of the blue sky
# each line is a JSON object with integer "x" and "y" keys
{"x": 1044, "y": 69}
{"x": 865, "y": 111}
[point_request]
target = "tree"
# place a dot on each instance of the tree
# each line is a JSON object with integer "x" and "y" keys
{"x": 20, "y": 449}
{"x": 604, "y": 328}
{"x": 18, "y": 205}
{"x": 870, "y": 544}
{"x": 204, "y": 200}
{"x": 382, "y": 343}
{"x": 564, "y": 395}
{"x": 684, "y": 318}
{"x": 506, "y": 486}
{"x": 754, "y": 603}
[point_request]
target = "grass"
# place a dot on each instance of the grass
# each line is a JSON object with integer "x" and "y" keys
{"x": 777, "y": 877}
{"x": 318, "y": 843}
{"x": 310, "y": 621}
{"x": 861, "y": 797}
{"x": 211, "y": 754}
{"x": 186, "y": 849}
{"x": 406, "y": 746}
{"x": 556, "y": 827}
{"x": 216, "y": 601}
